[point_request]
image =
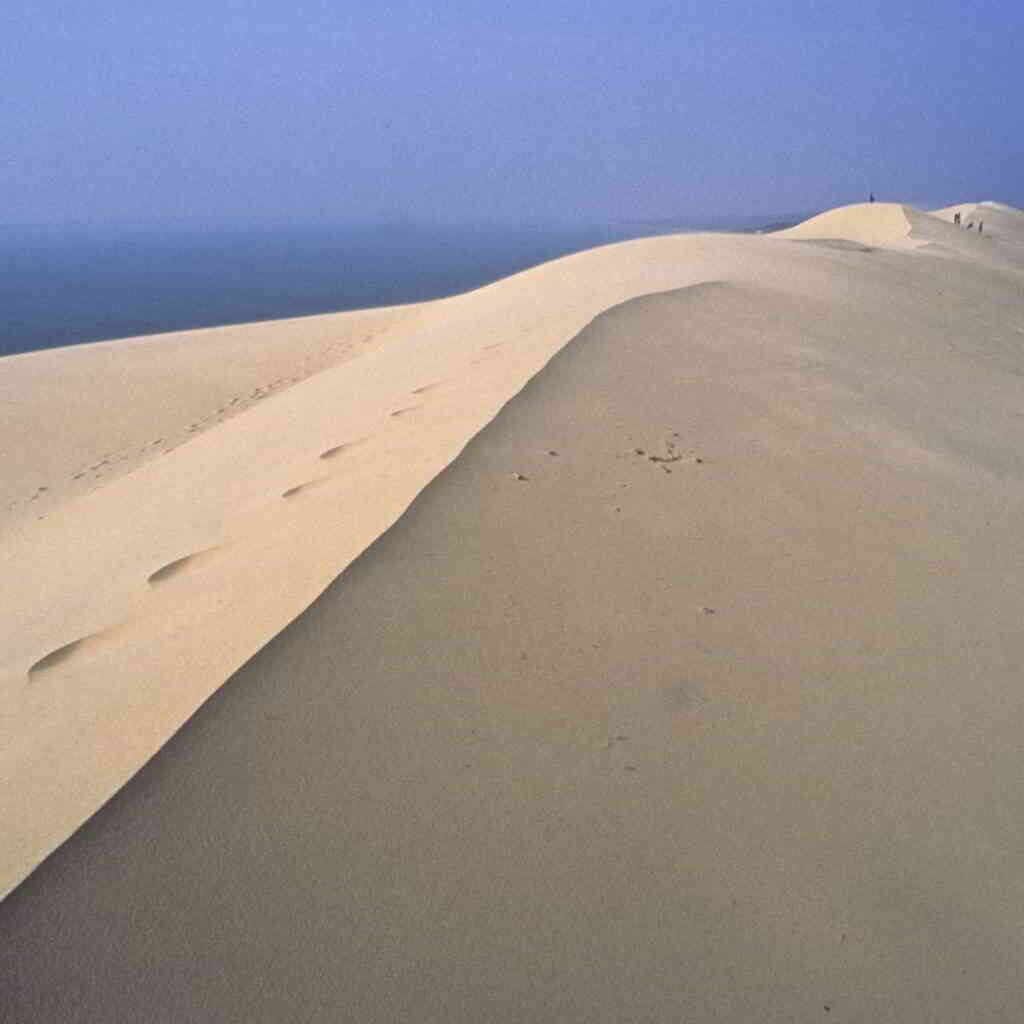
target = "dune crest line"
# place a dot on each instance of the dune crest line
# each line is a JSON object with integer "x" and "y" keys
{"x": 89, "y": 564}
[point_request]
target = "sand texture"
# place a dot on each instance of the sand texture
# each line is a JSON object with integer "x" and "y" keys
{"x": 636, "y": 638}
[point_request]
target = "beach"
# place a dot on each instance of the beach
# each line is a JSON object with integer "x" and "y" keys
{"x": 634, "y": 638}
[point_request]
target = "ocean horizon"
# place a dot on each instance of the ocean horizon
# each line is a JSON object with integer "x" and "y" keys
{"x": 70, "y": 286}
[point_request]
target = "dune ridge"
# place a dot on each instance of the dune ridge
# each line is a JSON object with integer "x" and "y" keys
{"x": 689, "y": 690}
{"x": 132, "y": 597}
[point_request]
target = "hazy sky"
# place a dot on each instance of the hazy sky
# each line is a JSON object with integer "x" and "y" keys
{"x": 573, "y": 110}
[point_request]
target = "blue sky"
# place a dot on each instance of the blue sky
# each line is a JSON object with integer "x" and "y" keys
{"x": 302, "y": 111}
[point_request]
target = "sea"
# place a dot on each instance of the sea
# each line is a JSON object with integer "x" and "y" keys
{"x": 63, "y": 285}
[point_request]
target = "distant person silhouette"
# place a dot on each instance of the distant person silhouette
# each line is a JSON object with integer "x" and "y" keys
{"x": 871, "y": 198}
{"x": 956, "y": 218}
{"x": 981, "y": 224}
{"x": 970, "y": 224}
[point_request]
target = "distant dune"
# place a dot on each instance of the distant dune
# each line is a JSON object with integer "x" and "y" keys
{"x": 634, "y": 638}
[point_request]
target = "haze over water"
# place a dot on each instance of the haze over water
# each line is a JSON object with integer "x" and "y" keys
{"x": 61, "y": 287}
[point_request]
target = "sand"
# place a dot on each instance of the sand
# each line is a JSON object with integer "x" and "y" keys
{"x": 671, "y": 674}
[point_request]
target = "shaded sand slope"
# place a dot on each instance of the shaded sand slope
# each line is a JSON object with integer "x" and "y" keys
{"x": 689, "y": 691}
{"x": 127, "y": 605}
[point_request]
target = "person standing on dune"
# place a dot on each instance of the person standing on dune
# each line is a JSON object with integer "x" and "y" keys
{"x": 981, "y": 224}
{"x": 956, "y": 218}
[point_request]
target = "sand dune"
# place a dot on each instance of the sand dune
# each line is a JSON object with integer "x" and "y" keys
{"x": 73, "y": 419}
{"x": 897, "y": 225}
{"x": 870, "y": 223}
{"x": 698, "y": 663}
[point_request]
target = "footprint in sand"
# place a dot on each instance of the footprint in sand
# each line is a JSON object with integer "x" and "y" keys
{"x": 338, "y": 449}
{"x": 402, "y": 412}
{"x": 681, "y": 697}
{"x": 65, "y": 653}
{"x": 427, "y": 387}
{"x": 307, "y": 486}
{"x": 179, "y": 565}
{"x": 57, "y": 657}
